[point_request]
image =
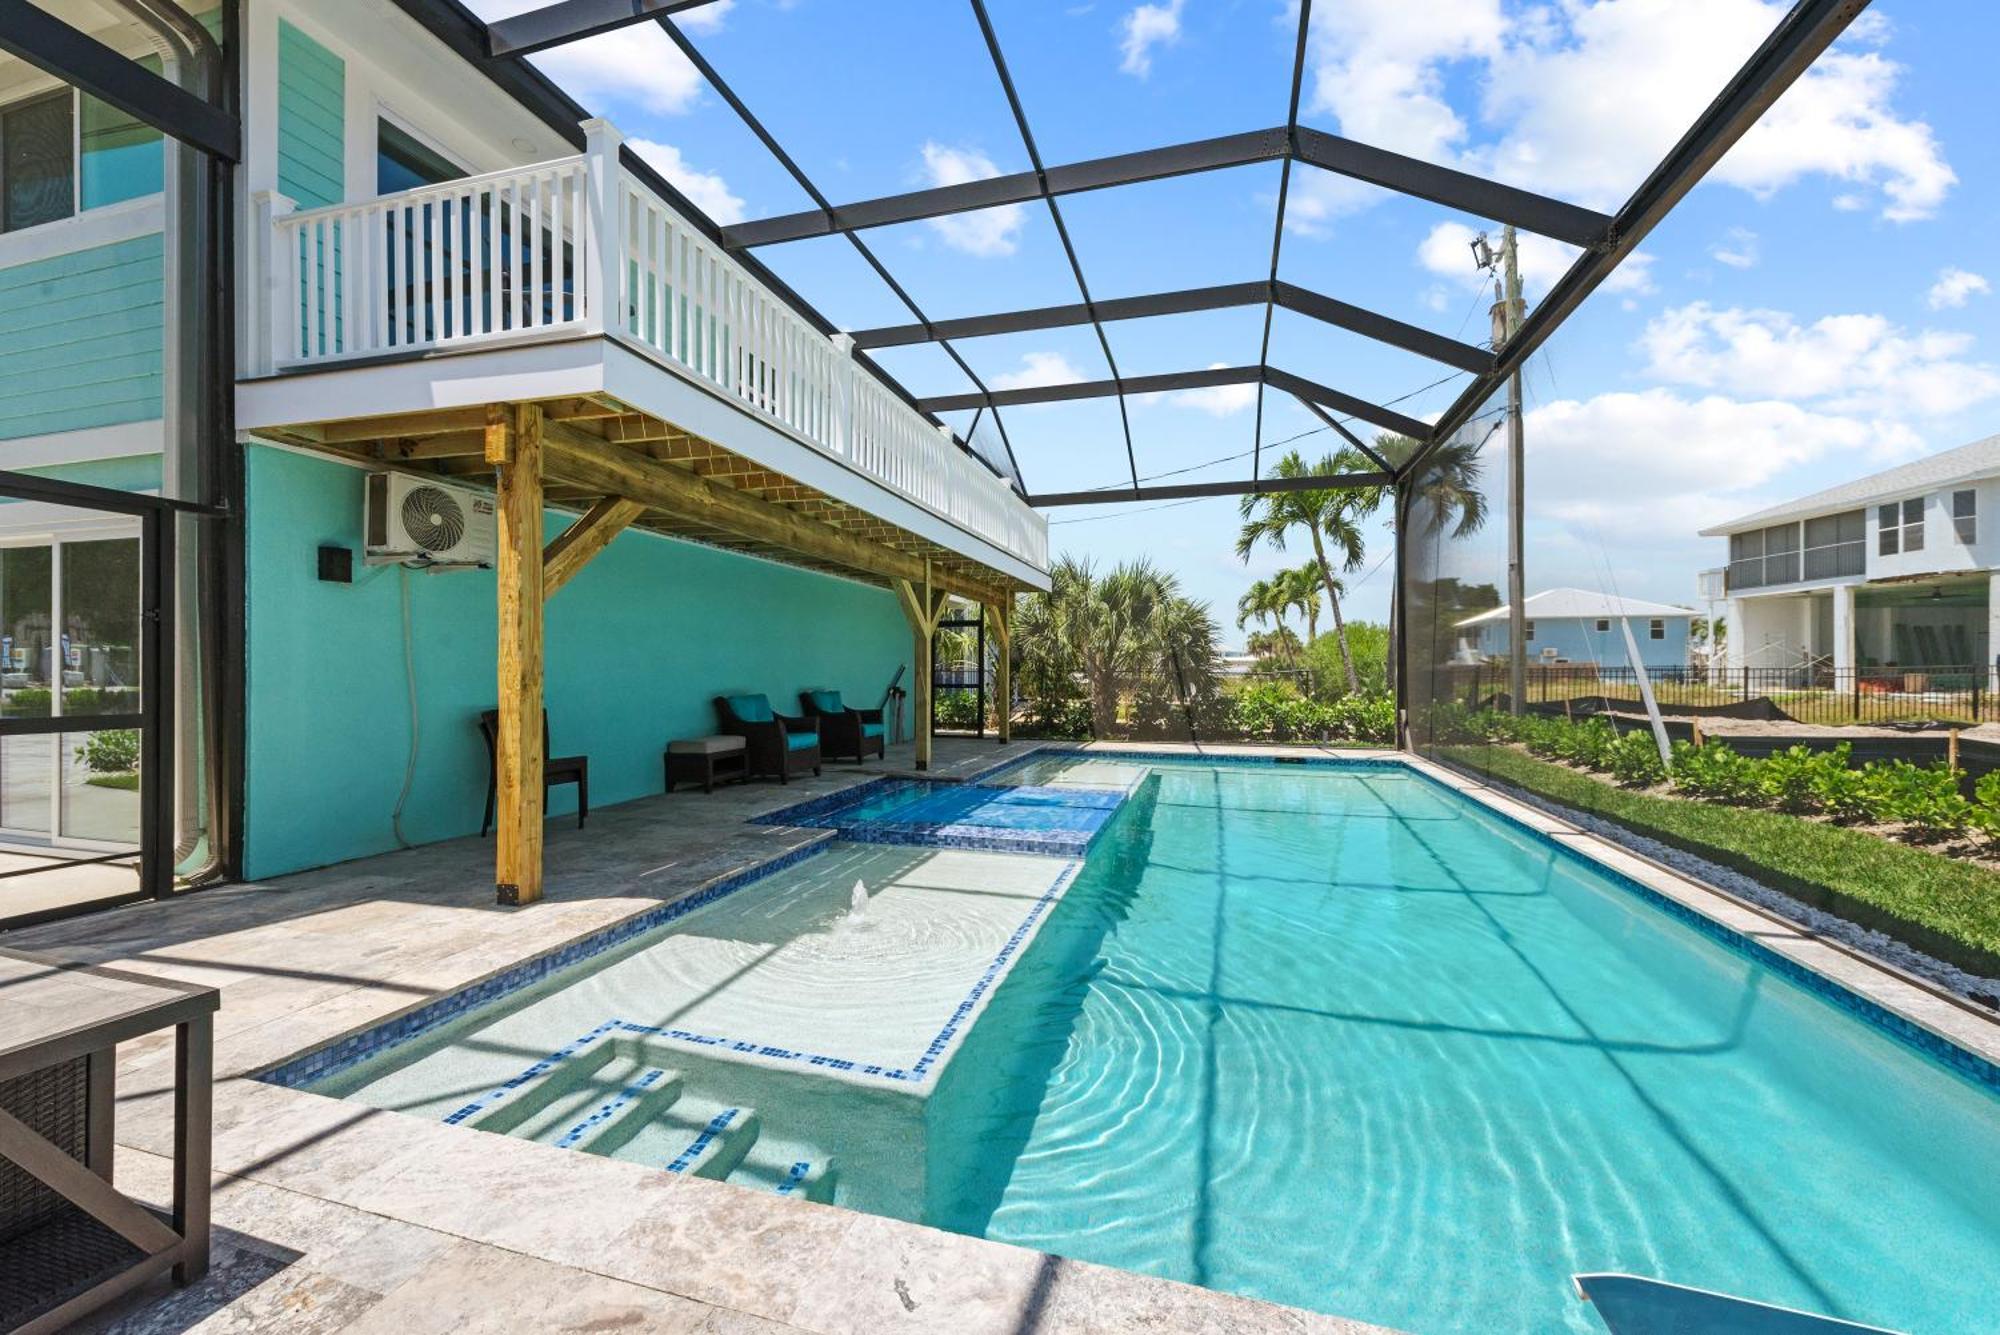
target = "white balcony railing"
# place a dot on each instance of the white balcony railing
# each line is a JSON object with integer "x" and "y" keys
{"x": 578, "y": 246}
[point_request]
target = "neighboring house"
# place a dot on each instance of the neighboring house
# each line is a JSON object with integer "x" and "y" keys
{"x": 1578, "y": 626}
{"x": 431, "y": 249}
{"x": 1888, "y": 574}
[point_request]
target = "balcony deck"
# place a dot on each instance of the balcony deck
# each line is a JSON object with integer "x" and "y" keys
{"x": 386, "y": 324}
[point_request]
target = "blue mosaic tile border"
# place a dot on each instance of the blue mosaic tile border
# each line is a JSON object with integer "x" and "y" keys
{"x": 793, "y": 1177}
{"x": 607, "y": 1110}
{"x": 717, "y": 1125}
{"x": 803, "y": 813}
{"x": 311, "y": 1067}
{"x": 1907, "y": 1031}
{"x": 1189, "y": 760}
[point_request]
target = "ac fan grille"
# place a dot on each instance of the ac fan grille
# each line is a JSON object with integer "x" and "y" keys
{"x": 434, "y": 519}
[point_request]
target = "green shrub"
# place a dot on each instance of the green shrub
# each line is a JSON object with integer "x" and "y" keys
{"x": 1923, "y": 797}
{"x": 1587, "y": 743}
{"x": 1715, "y": 772}
{"x": 1634, "y": 759}
{"x": 1364, "y": 718}
{"x": 1797, "y": 779}
{"x": 1849, "y": 795}
{"x": 114, "y": 751}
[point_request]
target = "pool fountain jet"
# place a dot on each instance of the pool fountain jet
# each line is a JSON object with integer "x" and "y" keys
{"x": 857, "y": 903}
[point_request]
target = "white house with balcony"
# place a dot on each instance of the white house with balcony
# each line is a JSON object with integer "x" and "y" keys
{"x": 665, "y": 478}
{"x": 1889, "y": 576}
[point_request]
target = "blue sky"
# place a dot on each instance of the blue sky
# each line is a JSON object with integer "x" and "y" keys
{"x": 1820, "y": 308}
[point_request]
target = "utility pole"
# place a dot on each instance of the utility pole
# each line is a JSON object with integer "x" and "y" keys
{"x": 1508, "y": 312}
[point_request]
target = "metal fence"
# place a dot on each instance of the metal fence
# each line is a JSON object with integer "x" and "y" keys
{"x": 1949, "y": 694}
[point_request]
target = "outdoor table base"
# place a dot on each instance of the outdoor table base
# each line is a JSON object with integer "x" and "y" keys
{"x": 69, "y": 1241}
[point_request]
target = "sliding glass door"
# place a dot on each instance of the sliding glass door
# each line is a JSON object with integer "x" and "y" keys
{"x": 69, "y": 649}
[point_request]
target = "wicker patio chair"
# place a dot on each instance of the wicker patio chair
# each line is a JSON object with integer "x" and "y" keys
{"x": 844, "y": 731}
{"x": 775, "y": 745}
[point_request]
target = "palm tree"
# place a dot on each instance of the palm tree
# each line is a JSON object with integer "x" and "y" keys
{"x": 1448, "y": 487}
{"x": 1302, "y": 592}
{"x": 1266, "y": 603}
{"x": 1448, "y": 484}
{"x": 1126, "y": 631}
{"x": 1330, "y": 516}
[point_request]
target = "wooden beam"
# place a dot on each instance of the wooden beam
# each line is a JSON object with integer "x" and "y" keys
{"x": 588, "y": 536}
{"x": 436, "y": 422}
{"x": 519, "y": 795}
{"x": 577, "y": 457}
{"x": 498, "y": 426}
{"x": 454, "y": 445}
{"x": 999, "y": 620}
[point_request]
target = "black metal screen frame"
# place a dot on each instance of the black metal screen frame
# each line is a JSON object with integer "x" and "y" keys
{"x": 1797, "y": 40}
{"x": 155, "y": 717}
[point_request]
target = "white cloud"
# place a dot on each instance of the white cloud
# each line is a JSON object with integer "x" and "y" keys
{"x": 710, "y": 193}
{"x": 1849, "y": 363}
{"x": 1039, "y": 369}
{"x": 1144, "y": 28}
{"x": 1954, "y": 287}
{"x": 1216, "y": 400}
{"x": 1447, "y": 252}
{"x": 1379, "y": 67}
{"x": 636, "y": 66}
{"x": 1657, "y": 466}
{"x": 1580, "y": 99}
{"x": 1738, "y": 249}
{"x": 987, "y": 232}
{"x": 1593, "y": 106}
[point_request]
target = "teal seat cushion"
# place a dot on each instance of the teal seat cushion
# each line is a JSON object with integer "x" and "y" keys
{"x": 750, "y": 708}
{"x": 800, "y": 741}
{"x": 871, "y": 730}
{"x": 827, "y": 702}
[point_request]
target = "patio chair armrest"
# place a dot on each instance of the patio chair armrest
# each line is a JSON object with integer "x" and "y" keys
{"x": 866, "y": 715}
{"x": 800, "y": 723}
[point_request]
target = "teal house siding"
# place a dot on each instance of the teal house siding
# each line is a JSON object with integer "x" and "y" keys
{"x": 638, "y": 643}
{"x": 312, "y": 114}
{"x": 80, "y": 339}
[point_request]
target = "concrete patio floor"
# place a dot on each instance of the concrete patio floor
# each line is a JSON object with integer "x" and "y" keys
{"x": 335, "y": 1216}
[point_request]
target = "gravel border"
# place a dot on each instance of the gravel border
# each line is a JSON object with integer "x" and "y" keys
{"x": 1981, "y": 991}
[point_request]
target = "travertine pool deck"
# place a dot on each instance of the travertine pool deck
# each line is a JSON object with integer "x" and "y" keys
{"x": 335, "y": 1216}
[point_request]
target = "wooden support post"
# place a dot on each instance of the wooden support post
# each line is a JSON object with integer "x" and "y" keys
{"x": 999, "y": 618}
{"x": 517, "y": 871}
{"x": 923, "y": 605}
{"x": 588, "y": 536}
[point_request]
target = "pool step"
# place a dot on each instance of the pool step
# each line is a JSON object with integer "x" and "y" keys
{"x": 718, "y": 1136}
{"x": 788, "y": 1169}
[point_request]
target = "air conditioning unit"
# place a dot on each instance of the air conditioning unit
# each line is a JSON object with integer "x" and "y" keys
{"x": 422, "y": 521}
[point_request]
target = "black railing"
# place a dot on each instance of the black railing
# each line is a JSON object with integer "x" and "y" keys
{"x": 1806, "y": 694}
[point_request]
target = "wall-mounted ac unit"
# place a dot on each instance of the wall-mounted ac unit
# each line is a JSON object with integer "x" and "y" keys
{"x": 423, "y": 521}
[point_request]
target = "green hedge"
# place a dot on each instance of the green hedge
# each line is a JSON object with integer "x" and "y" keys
{"x": 1945, "y": 907}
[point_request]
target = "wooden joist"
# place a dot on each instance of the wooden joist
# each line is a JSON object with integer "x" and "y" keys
{"x": 577, "y": 457}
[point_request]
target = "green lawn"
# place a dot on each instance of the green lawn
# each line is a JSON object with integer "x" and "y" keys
{"x": 1941, "y": 905}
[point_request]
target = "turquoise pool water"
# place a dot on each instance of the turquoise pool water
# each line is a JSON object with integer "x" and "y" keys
{"x": 1344, "y": 1040}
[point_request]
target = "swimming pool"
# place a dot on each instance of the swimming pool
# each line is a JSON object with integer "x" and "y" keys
{"x": 1341, "y": 1038}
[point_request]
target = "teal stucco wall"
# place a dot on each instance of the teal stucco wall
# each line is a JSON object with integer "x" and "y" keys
{"x": 638, "y": 643}
{"x": 80, "y": 338}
